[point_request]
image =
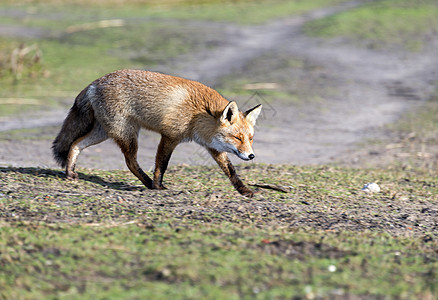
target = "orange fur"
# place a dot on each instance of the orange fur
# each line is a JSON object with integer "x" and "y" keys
{"x": 118, "y": 104}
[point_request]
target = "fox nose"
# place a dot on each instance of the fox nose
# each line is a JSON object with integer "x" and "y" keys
{"x": 251, "y": 156}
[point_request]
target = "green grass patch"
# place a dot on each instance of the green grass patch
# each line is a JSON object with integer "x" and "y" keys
{"x": 410, "y": 143}
{"x": 174, "y": 259}
{"x": 106, "y": 236}
{"x": 29, "y": 134}
{"x": 414, "y": 142}
{"x": 243, "y": 12}
{"x": 290, "y": 80}
{"x": 421, "y": 123}
{"x": 382, "y": 23}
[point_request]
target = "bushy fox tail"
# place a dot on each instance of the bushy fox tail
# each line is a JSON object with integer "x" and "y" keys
{"x": 79, "y": 121}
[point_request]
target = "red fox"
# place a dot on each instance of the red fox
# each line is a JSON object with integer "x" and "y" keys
{"x": 118, "y": 104}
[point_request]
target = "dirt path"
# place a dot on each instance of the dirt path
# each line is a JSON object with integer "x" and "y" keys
{"x": 372, "y": 88}
{"x": 244, "y": 44}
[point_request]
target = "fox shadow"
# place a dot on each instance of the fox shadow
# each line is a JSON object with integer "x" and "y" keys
{"x": 40, "y": 172}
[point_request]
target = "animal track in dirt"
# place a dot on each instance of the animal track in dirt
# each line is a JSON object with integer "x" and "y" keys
{"x": 370, "y": 89}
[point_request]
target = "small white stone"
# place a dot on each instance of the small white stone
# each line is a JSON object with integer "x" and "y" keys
{"x": 332, "y": 268}
{"x": 371, "y": 187}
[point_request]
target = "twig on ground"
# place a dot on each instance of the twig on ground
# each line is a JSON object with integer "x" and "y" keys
{"x": 276, "y": 187}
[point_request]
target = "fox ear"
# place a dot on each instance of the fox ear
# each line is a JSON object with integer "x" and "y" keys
{"x": 230, "y": 112}
{"x": 252, "y": 114}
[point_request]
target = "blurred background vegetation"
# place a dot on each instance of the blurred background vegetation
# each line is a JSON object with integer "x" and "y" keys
{"x": 50, "y": 49}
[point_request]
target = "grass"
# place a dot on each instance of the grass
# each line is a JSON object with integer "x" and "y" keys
{"x": 294, "y": 81}
{"x": 106, "y": 237}
{"x": 387, "y": 23}
{"x": 149, "y": 36}
{"x": 192, "y": 266}
{"x": 241, "y": 12}
{"x": 29, "y": 134}
{"x": 245, "y": 12}
{"x": 411, "y": 141}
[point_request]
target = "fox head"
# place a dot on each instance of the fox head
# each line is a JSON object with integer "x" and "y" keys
{"x": 236, "y": 130}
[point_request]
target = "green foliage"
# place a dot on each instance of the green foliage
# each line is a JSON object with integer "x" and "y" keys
{"x": 382, "y": 23}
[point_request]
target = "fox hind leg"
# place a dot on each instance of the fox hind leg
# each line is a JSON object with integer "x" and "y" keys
{"x": 95, "y": 136}
{"x": 129, "y": 146}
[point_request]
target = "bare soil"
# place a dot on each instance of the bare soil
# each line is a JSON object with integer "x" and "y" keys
{"x": 331, "y": 202}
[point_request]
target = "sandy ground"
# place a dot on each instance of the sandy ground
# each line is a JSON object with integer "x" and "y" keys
{"x": 360, "y": 90}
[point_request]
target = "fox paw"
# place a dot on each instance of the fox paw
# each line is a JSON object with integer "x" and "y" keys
{"x": 72, "y": 175}
{"x": 159, "y": 187}
{"x": 246, "y": 192}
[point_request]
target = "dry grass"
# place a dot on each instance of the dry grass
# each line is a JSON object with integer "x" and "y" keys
{"x": 22, "y": 61}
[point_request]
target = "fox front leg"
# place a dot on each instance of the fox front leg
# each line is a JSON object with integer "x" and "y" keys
{"x": 225, "y": 164}
{"x": 164, "y": 152}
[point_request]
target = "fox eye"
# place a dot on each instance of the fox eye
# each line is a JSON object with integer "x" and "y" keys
{"x": 250, "y": 138}
{"x": 237, "y": 138}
